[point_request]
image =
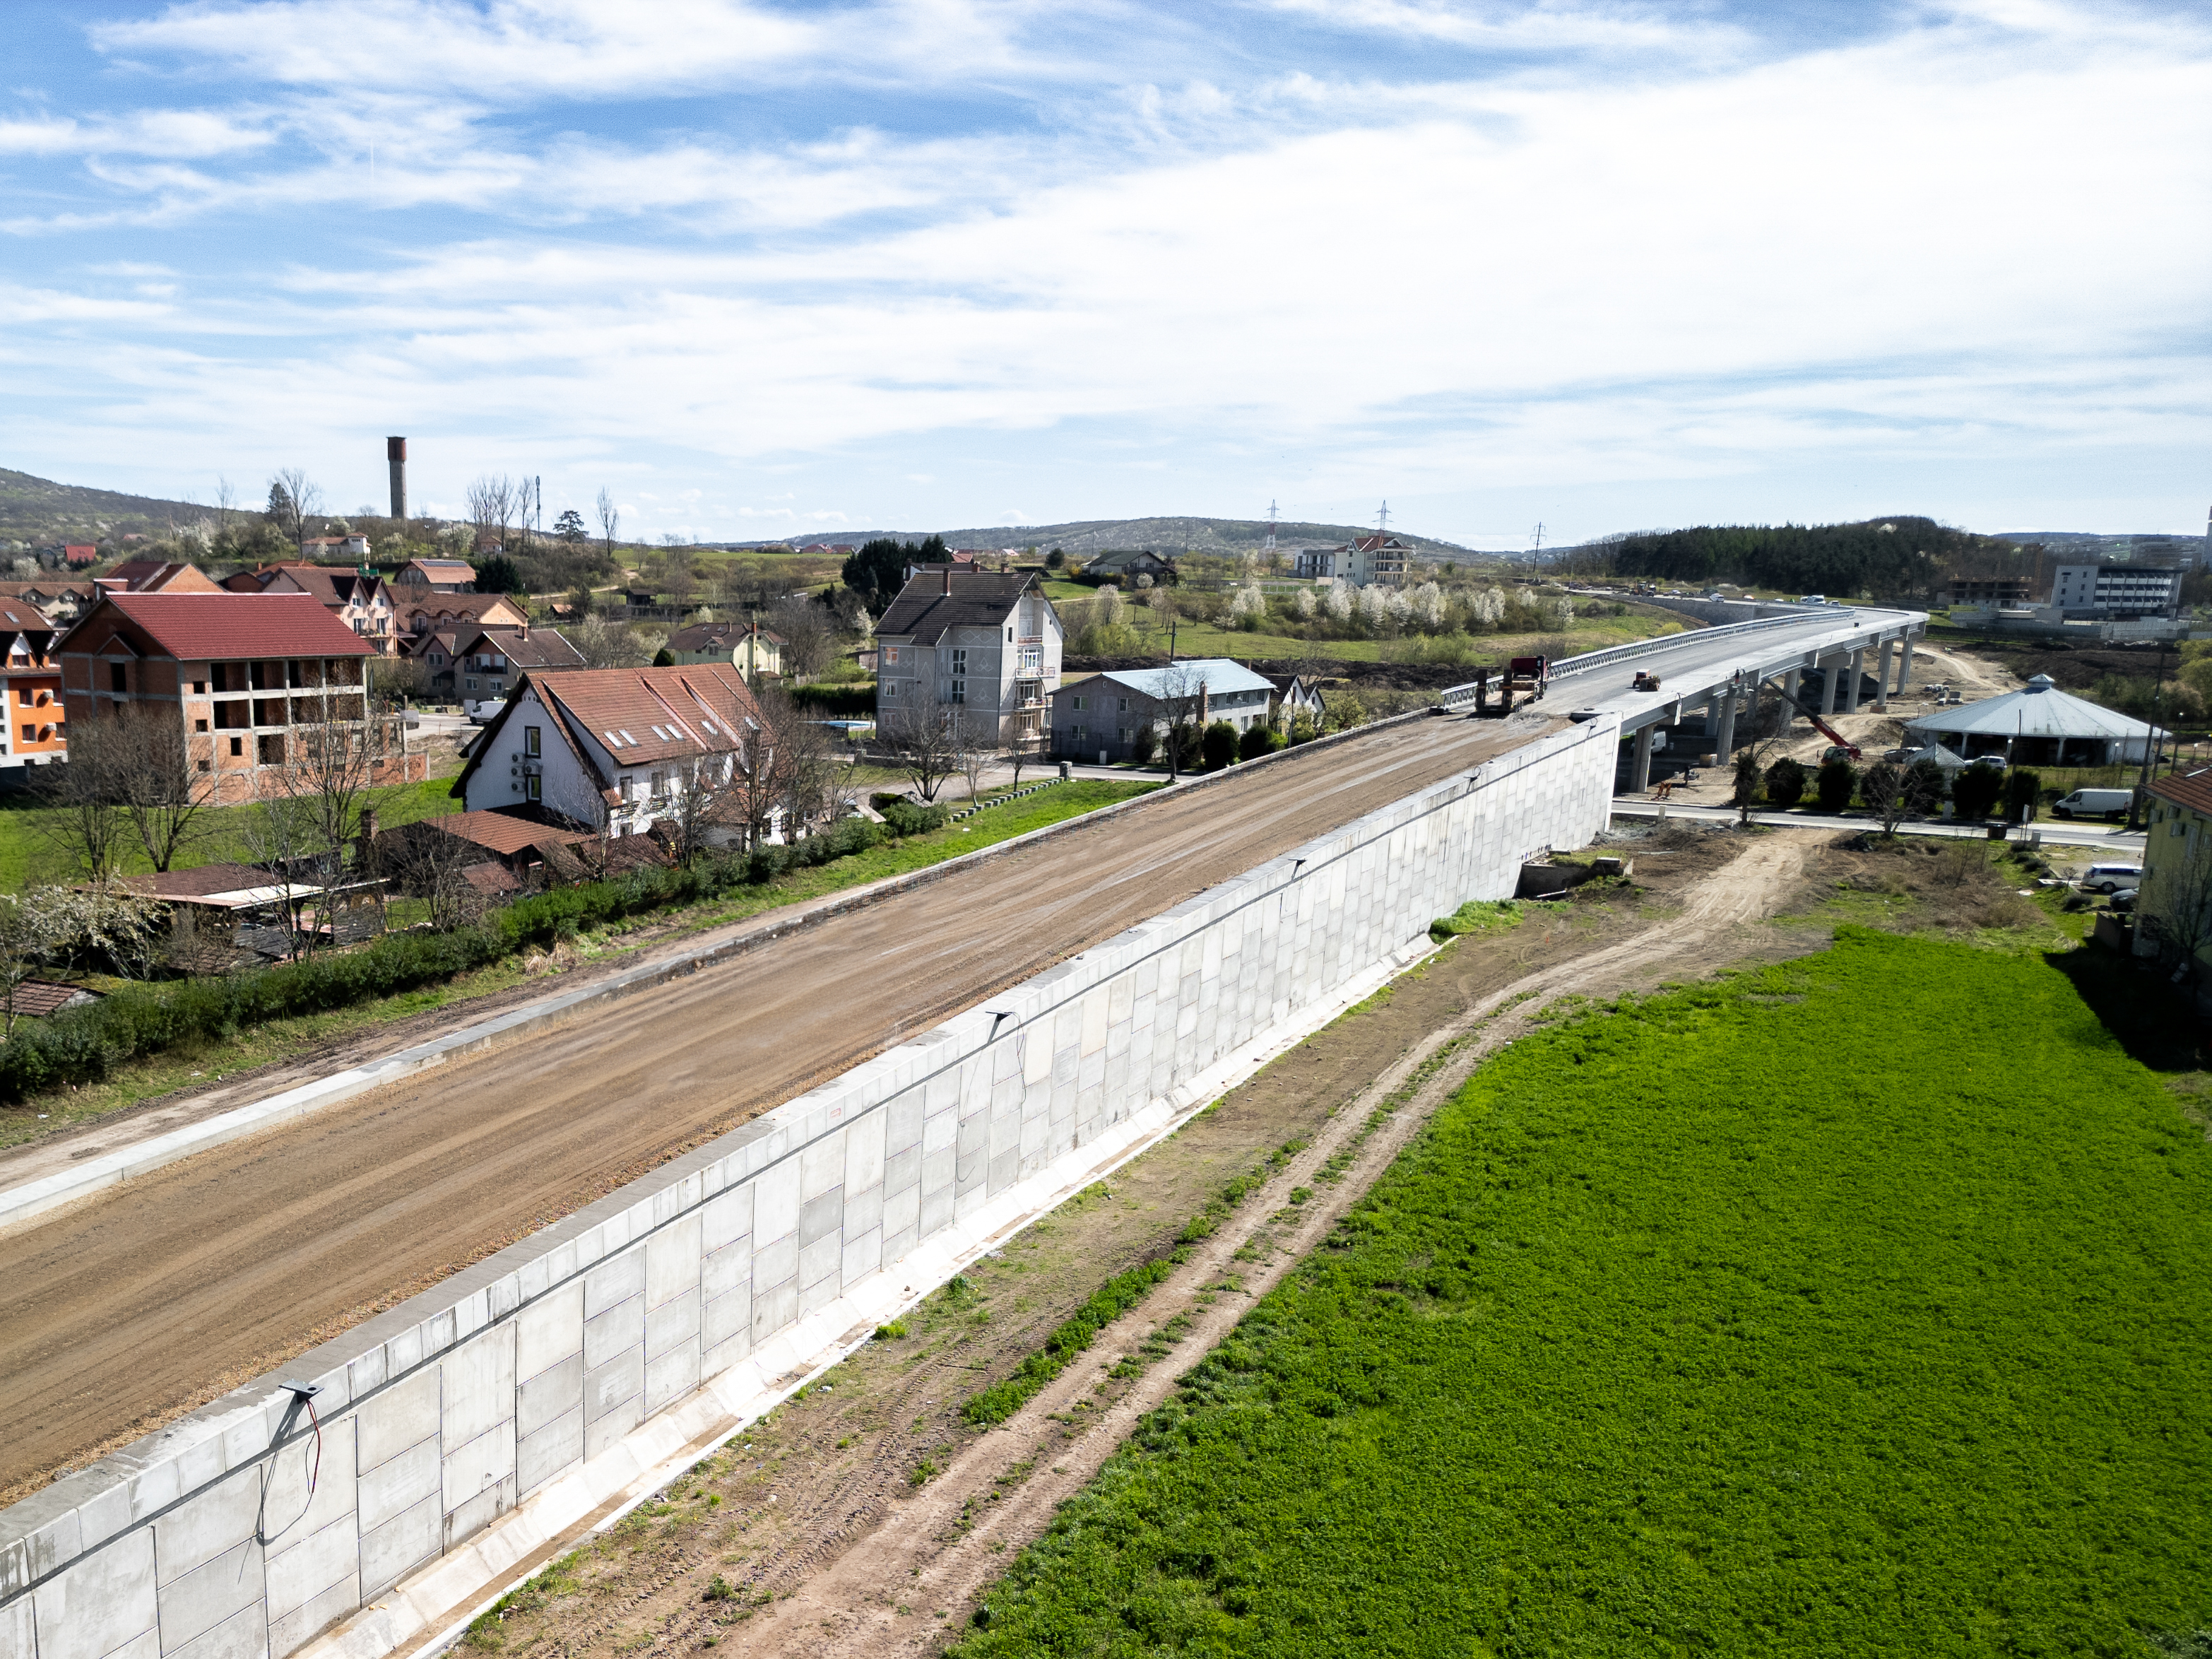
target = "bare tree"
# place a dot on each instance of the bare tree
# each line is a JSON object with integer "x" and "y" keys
{"x": 1181, "y": 686}
{"x": 974, "y": 746}
{"x": 495, "y": 501}
{"x": 920, "y": 741}
{"x": 82, "y": 796}
{"x": 610, "y": 520}
{"x": 755, "y": 791}
{"x": 815, "y": 777}
{"x": 163, "y": 796}
{"x": 329, "y": 772}
{"x": 608, "y": 644}
{"x": 423, "y": 862}
{"x": 293, "y": 499}
{"x": 808, "y": 631}
{"x": 225, "y": 505}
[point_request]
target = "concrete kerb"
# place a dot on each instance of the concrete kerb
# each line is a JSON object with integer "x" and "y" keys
{"x": 519, "y": 1545}
{"x": 31, "y": 1199}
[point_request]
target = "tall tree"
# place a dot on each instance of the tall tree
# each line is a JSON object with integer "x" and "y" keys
{"x": 609, "y": 519}
{"x": 162, "y": 795}
{"x": 293, "y": 499}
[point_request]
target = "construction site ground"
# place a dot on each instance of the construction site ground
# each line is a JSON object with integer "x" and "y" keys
{"x": 131, "y": 1307}
{"x": 867, "y": 1516}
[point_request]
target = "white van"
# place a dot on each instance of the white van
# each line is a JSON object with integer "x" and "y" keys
{"x": 2111, "y": 877}
{"x": 2094, "y": 803}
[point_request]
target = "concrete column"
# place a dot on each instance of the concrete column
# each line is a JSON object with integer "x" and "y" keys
{"x": 1829, "y": 687}
{"x": 1904, "y": 667}
{"x": 1724, "y": 744}
{"x": 1881, "y": 678}
{"x": 1639, "y": 772}
{"x": 1856, "y": 671}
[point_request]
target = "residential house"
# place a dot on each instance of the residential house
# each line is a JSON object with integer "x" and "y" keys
{"x": 522, "y": 843}
{"x": 419, "y": 578}
{"x": 1363, "y": 562}
{"x": 157, "y": 576}
{"x": 611, "y": 746}
{"x": 358, "y": 599}
{"x": 470, "y": 664}
{"x": 1294, "y": 696}
{"x": 980, "y": 642}
{"x": 78, "y": 555}
{"x": 420, "y": 615}
{"x": 747, "y": 646}
{"x": 335, "y": 549}
{"x": 36, "y": 731}
{"x": 257, "y": 682}
{"x": 60, "y": 601}
{"x": 1124, "y": 565}
{"x": 1100, "y": 717}
{"x": 2173, "y": 907}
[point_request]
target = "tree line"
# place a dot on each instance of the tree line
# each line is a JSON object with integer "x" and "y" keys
{"x": 1896, "y": 558}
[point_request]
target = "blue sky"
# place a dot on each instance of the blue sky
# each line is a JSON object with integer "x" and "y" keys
{"x": 769, "y": 268}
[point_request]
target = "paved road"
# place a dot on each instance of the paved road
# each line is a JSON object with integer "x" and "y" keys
{"x": 127, "y": 1310}
{"x": 2055, "y": 832}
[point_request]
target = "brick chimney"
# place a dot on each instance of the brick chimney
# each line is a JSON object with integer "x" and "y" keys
{"x": 948, "y": 581}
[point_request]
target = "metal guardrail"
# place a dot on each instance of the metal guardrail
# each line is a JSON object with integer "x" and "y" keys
{"x": 1612, "y": 653}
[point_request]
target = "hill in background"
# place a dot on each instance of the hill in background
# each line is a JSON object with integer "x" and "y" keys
{"x": 1169, "y": 535}
{"x": 36, "y": 510}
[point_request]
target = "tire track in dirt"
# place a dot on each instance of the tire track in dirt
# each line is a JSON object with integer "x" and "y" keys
{"x": 937, "y": 1552}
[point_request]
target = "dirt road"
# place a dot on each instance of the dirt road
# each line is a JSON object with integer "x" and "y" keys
{"x": 123, "y": 1312}
{"x": 810, "y": 1527}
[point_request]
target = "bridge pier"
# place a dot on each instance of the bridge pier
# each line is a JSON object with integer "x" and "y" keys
{"x": 1829, "y": 687}
{"x": 1724, "y": 745}
{"x": 1881, "y": 677}
{"x": 1856, "y": 669}
{"x": 1639, "y": 770}
{"x": 1905, "y": 668}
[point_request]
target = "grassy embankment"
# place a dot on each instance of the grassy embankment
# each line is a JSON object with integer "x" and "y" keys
{"x": 287, "y": 1040}
{"x": 1850, "y": 1305}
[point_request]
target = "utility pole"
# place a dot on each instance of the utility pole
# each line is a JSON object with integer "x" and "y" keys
{"x": 1536, "y": 557}
{"x": 1382, "y": 520}
{"x": 1270, "y": 546}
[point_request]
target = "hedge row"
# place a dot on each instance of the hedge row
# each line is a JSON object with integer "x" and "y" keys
{"x": 837, "y": 701}
{"x": 85, "y": 1045}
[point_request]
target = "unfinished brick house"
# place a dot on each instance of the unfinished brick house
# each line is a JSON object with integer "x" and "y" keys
{"x": 254, "y": 681}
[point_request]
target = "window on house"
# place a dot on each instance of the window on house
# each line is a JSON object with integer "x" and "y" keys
{"x": 960, "y": 660}
{"x": 238, "y": 745}
{"x": 530, "y": 740}
{"x": 959, "y": 690}
{"x": 888, "y": 690}
{"x": 472, "y": 684}
{"x": 30, "y": 733}
{"x": 1010, "y": 636}
{"x": 531, "y": 785}
{"x": 1124, "y": 708}
{"x": 118, "y": 677}
{"x": 1076, "y": 702}
{"x": 891, "y": 654}
{"x": 626, "y": 784}
{"x": 23, "y": 695}
{"x": 199, "y": 726}
{"x": 1082, "y": 732}
{"x": 204, "y": 765}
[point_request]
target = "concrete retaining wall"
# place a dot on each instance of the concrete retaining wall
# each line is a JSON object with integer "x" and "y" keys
{"x": 520, "y": 1381}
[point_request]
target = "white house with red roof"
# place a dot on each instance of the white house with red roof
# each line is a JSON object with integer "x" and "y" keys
{"x": 252, "y": 680}
{"x": 611, "y": 746}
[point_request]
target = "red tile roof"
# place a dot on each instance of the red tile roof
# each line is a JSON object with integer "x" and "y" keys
{"x": 213, "y": 627}
{"x": 654, "y": 714}
{"x": 502, "y": 831}
{"x": 2191, "y": 789}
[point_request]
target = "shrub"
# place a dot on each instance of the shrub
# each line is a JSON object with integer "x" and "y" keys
{"x": 1303, "y": 729}
{"x": 2021, "y": 790}
{"x": 1976, "y": 790}
{"x": 1837, "y": 780}
{"x": 1218, "y": 746}
{"x": 1257, "y": 740}
{"x": 1785, "y": 783}
{"x": 1145, "y": 745}
{"x": 905, "y": 818}
{"x": 835, "y": 701}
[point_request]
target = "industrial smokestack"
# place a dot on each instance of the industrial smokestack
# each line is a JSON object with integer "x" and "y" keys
{"x": 395, "y": 450}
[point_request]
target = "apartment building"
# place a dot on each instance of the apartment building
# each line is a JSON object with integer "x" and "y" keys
{"x": 257, "y": 682}
{"x": 2117, "y": 590}
{"x": 983, "y": 643}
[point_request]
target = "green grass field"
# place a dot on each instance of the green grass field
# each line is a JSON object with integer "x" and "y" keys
{"x": 1852, "y": 1306}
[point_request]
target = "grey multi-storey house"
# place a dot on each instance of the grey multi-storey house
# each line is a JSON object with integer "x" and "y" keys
{"x": 978, "y": 642}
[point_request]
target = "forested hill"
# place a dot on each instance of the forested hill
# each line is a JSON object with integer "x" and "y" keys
{"x": 1898, "y": 558}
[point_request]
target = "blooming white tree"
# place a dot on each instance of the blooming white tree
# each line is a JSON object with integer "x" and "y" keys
{"x": 1486, "y": 606}
{"x": 1427, "y": 603}
{"x": 1338, "y": 600}
{"x": 1397, "y": 608}
{"x": 1106, "y": 610}
{"x": 1303, "y": 605}
{"x": 1249, "y": 608}
{"x": 1560, "y": 610}
{"x": 1374, "y": 607}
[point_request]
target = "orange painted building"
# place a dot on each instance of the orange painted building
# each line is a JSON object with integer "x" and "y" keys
{"x": 31, "y": 680}
{"x": 249, "y": 678}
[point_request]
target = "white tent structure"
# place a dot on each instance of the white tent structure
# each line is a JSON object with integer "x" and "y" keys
{"x": 2038, "y": 725}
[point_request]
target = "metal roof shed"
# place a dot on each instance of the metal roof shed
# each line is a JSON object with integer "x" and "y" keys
{"x": 2037, "y": 725}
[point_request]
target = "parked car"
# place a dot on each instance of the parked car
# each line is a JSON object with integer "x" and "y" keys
{"x": 2111, "y": 877}
{"x": 2123, "y": 900}
{"x": 2094, "y": 803}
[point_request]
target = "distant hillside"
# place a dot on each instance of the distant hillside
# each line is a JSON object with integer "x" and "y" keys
{"x": 2092, "y": 548}
{"x": 37, "y": 510}
{"x": 1226, "y": 536}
